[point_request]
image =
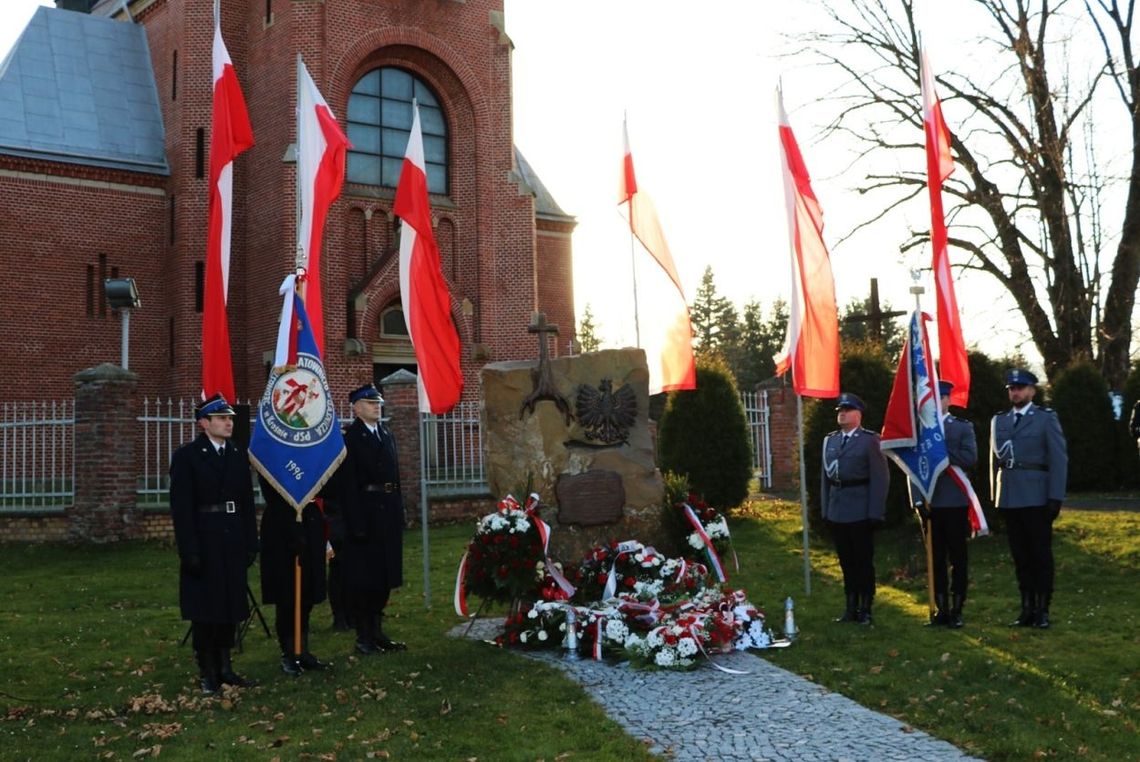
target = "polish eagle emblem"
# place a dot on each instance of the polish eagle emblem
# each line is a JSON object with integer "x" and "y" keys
{"x": 606, "y": 414}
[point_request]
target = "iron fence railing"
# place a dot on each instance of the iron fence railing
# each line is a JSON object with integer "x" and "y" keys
{"x": 756, "y": 411}
{"x": 37, "y": 455}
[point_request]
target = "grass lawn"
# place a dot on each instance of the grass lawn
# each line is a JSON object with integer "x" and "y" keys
{"x": 92, "y": 667}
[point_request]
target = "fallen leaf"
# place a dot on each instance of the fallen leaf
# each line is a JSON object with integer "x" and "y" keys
{"x": 876, "y": 669}
{"x": 946, "y": 656}
{"x": 445, "y": 707}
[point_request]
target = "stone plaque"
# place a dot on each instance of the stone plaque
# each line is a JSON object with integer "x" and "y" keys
{"x": 593, "y": 498}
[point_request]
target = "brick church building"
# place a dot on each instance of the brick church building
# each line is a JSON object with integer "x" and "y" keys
{"x": 105, "y": 111}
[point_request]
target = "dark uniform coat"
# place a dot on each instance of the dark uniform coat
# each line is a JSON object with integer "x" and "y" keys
{"x": 280, "y": 537}
{"x": 225, "y": 542}
{"x": 1029, "y": 462}
{"x": 854, "y": 478}
{"x": 374, "y": 522}
{"x": 962, "y": 447}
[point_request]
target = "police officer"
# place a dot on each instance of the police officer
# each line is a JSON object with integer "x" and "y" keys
{"x": 374, "y": 522}
{"x": 949, "y": 516}
{"x": 215, "y": 528}
{"x": 285, "y": 543}
{"x": 1028, "y": 468}
{"x": 853, "y": 494}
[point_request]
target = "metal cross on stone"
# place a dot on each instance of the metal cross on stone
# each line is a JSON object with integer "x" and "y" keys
{"x": 875, "y": 314}
{"x": 544, "y": 388}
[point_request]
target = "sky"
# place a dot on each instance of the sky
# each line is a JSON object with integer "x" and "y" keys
{"x": 697, "y": 85}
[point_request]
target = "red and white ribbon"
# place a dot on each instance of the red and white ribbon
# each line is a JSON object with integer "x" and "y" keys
{"x": 460, "y": 597}
{"x": 978, "y": 525}
{"x": 714, "y": 559}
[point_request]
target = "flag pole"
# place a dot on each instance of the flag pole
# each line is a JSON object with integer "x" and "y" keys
{"x": 926, "y": 522}
{"x": 803, "y": 495}
{"x": 424, "y": 514}
{"x": 632, "y": 248}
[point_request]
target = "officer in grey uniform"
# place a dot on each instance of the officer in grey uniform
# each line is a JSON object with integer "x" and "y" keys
{"x": 949, "y": 516}
{"x": 853, "y": 495}
{"x": 1028, "y": 471}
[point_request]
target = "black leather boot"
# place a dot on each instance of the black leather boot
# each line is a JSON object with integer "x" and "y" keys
{"x": 307, "y": 660}
{"x": 863, "y": 614}
{"x": 1026, "y": 617}
{"x": 850, "y": 612}
{"x": 227, "y": 676}
{"x": 365, "y": 633}
{"x": 208, "y": 679}
{"x": 954, "y": 621}
{"x": 1041, "y": 617}
{"x": 383, "y": 642}
{"x": 940, "y": 615}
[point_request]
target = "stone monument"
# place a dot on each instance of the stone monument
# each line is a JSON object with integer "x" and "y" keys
{"x": 576, "y": 431}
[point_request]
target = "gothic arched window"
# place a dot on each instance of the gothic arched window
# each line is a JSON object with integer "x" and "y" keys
{"x": 379, "y": 122}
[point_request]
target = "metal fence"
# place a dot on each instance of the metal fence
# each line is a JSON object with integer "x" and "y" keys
{"x": 453, "y": 452}
{"x": 756, "y": 410}
{"x": 37, "y": 455}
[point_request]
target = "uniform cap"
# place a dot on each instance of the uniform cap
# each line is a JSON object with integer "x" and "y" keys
{"x": 1019, "y": 377}
{"x": 849, "y": 400}
{"x": 216, "y": 405}
{"x": 366, "y": 392}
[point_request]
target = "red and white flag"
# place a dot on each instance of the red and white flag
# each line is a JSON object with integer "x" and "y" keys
{"x": 321, "y": 150}
{"x": 953, "y": 363}
{"x": 423, "y": 292}
{"x": 668, "y": 335}
{"x": 811, "y": 350}
{"x": 230, "y": 134}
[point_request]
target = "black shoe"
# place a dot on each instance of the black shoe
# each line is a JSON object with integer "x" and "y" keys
{"x": 1027, "y": 615}
{"x": 291, "y": 666}
{"x": 850, "y": 613}
{"x": 366, "y": 647}
{"x": 384, "y": 643}
{"x": 954, "y": 621}
{"x": 236, "y": 680}
{"x": 1041, "y": 618}
{"x": 940, "y": 615}
{"x": 863, "y": 614}
{"x": 308, "y": 661}
{"x": 209, "y": 684}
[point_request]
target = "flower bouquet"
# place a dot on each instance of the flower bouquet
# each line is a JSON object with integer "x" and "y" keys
{"x": 705, "y": 533}
{"x": 503, "y": 556}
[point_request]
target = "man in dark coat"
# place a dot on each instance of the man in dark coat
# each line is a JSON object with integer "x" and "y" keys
{"x": 374, "y": 522}
{"x": 949, "y": 517}
{"x": 284, "y": 542}
{"x": 215, "y": 528}
{"x": 1029, "y": 469}
{"x": 853, "y": 495}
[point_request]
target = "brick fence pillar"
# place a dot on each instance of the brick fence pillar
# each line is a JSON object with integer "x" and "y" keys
{"x": 106, "y": 407}
{"x": 402, "y": 414}
{"x": 783, "y": 435}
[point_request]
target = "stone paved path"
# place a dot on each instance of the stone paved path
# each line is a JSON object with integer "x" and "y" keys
{"x": 768, "y": 714}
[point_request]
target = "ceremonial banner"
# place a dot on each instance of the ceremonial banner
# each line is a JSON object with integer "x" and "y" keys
{"x": 321, "y": 151}
{"x": 811, "y": 349}
{"x": 423, "y": 291}
{"x": 230, "y": 134}
{"x": 668, "y": 335}
{"x": 912, "y": 433}
{"x": 297, "y": 442}
{"x": 952, "y": 360}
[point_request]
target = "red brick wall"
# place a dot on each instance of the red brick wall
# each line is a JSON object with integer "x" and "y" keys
{"x": 782, "y": 436}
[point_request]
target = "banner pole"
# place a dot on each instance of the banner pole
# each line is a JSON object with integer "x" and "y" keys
{"x": 297, "y": 603}
{"x": 803, "y": 495}
{"x": 424, "y": 514}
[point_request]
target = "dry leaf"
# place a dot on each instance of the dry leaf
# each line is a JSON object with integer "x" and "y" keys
{"x": 445, "y": 707}
{"x": 876, "y": 669}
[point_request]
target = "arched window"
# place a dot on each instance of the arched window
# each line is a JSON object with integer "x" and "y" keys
{"x": 379, "y": 122}
{"x": 392, "y": 325}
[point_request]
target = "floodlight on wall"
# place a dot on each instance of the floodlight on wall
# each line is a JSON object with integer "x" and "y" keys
{"x": 123, "y": 295}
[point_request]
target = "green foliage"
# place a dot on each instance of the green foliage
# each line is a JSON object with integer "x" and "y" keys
{"x": 1080, "y": 396}
{"x": 703, "y": 434}
{"x": 676, "y": 488}
{"x": 1128, "y": 460}
{"x": 588, "y": 340}
{"x": 861, "y": 331}
{"x": 711, "y": 314}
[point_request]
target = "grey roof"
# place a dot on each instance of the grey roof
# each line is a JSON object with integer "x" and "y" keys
{"x": 544, "y": 204}
{"x": 79, "y": 89}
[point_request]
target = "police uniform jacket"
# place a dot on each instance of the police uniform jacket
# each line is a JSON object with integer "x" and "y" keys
{"x": 854, "y": 478}
{"x": 1029, "y": 463}
{"x": 373, "y": 557}
{"x": 962, "y": 447}
{"x": 211, "y": 503}
{"x": 279, "y": 540}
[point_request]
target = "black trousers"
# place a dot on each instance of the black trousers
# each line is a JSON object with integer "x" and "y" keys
{"x": 855, "y": 544}
{"x": 1030, "y": 533}
{"x": 949, "y": 530}
{"x": 367, "y": 606}
{"x": 212, "y": 636}
{"x": 283, "y": 624}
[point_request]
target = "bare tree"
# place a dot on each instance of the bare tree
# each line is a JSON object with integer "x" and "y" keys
{"x": 1024, "y": 202}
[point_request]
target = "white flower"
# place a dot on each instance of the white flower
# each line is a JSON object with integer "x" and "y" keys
{"x": 522, "y": 526}
{"x": 696, "y": 541}
{"x": 522, "y": 637}
{"x": 665, "y": 657}
{"x": 542, "y": 635}
{"x": 533, "y": 613}
{"x": 562, "y": 627}
{"x": 633, "y": 640}
{"x": 655, "y": 640}
{"x": 686, "y": 646}
{"x": 616, "y": 630}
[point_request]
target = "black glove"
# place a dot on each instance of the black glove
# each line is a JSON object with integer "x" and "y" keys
{"x": 1054, "y": 508}
{"x": 192, "y": 566}
{"x": 250, "y": 557}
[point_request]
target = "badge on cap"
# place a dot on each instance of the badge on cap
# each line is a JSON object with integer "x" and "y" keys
{"x": 848, "y": 400}
{"x": 366, "y": 392}
{"x": 216, "y": 405}
{"x": 1019, "y": 377}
